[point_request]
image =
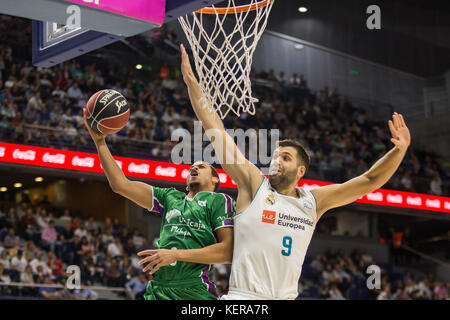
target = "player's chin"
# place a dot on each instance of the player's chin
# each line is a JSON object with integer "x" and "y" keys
{"x": 275, "y": 179}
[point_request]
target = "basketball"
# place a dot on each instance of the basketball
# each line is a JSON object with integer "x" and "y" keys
{"x": 107, "y": 111}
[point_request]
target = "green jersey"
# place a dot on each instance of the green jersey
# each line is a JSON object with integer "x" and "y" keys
{"x": 190, "y": 224}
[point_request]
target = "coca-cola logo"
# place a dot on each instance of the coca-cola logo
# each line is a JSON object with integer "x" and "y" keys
{"x": 184, "y": 173}
{"x": 310, "y": 186}
{"x": 447, "y": 205}
{"x": 87, "y": 162}
{"x": 142, "y": 168}
{"x": 433, "y": 203}
{"x": 166, "y": 172}
{"x": 375, "y": 196}
{"x": 54, "y": 158}
{"x": 222, "y": 177}
{"x": 24, "y": 155}
{"x": 394, "y": 198}
{"x": 2, "y": 151}
{"x": 414, "y": 201}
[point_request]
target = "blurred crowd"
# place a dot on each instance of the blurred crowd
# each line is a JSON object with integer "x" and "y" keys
{"x": 37, "y": 245}
{"x": 336, "y": 276}
{"x": 44, "y": 107}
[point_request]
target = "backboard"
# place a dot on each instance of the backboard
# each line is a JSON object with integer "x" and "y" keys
{"x": 65, "y": 29}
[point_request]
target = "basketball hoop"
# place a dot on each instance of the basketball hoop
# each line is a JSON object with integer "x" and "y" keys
{"x": 223, "y": 53}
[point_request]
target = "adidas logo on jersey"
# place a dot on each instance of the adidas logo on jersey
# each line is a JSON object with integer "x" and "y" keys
{"x": 268, "y": 216}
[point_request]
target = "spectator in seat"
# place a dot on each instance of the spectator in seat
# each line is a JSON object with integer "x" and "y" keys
{"x": 115, "y": 248}
{"x": 74, "y": 92}
{"x": 55, "y": 265}
{"x": 386, "y": 293}
{"x": 18, "y": 265}
{"x": 4, "y": 278}
{"x": 49, "y": 236}
{"x": 81, "y": 231}
{"x": 136, "y": 286}
{"x": 11, "y": 240}
{"x": 335, "y": 293}
{"x": 39, "y": 261}
{"x": 49, "y": 292}
{"x": 4, "y": 260}
{"x": 27, "y": 277}
{"x": 112, "y": 274}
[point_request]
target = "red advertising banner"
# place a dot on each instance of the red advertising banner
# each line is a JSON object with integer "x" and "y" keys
{"x": 158, "y": 170}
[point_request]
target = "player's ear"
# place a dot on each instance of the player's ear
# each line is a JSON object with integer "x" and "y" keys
{"x": 301, "y": 170}
{"x": 215, "y": 180}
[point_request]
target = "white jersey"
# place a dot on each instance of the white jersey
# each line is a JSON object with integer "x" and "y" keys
{"x": 271, "y": 238}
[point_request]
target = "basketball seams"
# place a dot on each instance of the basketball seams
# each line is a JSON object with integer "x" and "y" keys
{"x": 98, "y": 93}
{"x": 99, "y": 122}
{"x": 95, "y": 102}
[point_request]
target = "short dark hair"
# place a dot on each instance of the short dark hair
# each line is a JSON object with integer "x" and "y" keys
{"x": 302, "y": 155}
{"x": 215, "y": 174}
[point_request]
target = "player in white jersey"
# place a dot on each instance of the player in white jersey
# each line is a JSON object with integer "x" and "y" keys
{"x": 274, "y": 219}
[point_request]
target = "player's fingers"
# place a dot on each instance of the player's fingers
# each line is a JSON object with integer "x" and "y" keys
{"x": 151, "y": 265}
{"x": 146, "y": 252}
{"x": 155, "y": 269}
{"x": 394, "y": 141}
{"x": 392, "y": 129}
{"x": 402, "y": 121}
{"x": 397, "y": 121}
{"x": 147, "y": 259}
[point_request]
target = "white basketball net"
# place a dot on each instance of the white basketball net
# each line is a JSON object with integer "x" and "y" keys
{"x": 223, "y": 58}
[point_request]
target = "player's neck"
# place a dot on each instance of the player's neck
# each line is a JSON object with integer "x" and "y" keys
{"x": 192, "y": 193}
{"x": 288, "y": 191}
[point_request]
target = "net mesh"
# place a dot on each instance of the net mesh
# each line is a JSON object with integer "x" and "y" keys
{"x": 223, "y": 47}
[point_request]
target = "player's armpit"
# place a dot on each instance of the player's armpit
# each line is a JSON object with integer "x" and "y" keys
{"x": 336, "y": 195}
{"x": 138, "y": 192}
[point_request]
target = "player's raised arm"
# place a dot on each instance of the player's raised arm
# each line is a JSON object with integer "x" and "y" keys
{"x": 337, "y": 195}
{"x": 138, "y": 192}
{"x": 244, "y": 173}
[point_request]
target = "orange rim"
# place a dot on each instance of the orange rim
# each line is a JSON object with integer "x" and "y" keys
{"x": 238, "y": 9}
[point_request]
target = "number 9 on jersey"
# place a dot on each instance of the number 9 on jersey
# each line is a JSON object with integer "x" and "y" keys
{"x": 287, "y": 244}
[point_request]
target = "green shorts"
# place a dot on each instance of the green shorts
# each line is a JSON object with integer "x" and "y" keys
{"x": 190, "y": 289}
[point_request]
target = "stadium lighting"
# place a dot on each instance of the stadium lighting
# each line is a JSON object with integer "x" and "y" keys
{"x": 139, "y": 66}
{"x": 17, "y": 185}
{"x": 302, "y": 9}
{"x": 39, "y": 179}
{"x": 3, "y": 189}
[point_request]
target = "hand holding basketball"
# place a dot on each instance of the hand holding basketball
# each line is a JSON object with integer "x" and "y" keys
{"x": 97, "y": 137}
{"x": 400, "y": 132}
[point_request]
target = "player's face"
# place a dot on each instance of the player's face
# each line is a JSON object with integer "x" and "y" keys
{"x": 284, "y": 169}
{"x": 199, "y": 175}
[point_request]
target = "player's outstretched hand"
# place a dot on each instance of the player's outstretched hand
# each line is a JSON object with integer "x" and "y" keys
{"x": 156, "y": 259}
{"x": 188, "y": 75}
{"x": 94, "y": 135}
{"x": 400, "y": 132}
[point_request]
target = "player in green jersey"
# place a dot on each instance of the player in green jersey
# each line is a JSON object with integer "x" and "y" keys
{"x": 195, "y": 230}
